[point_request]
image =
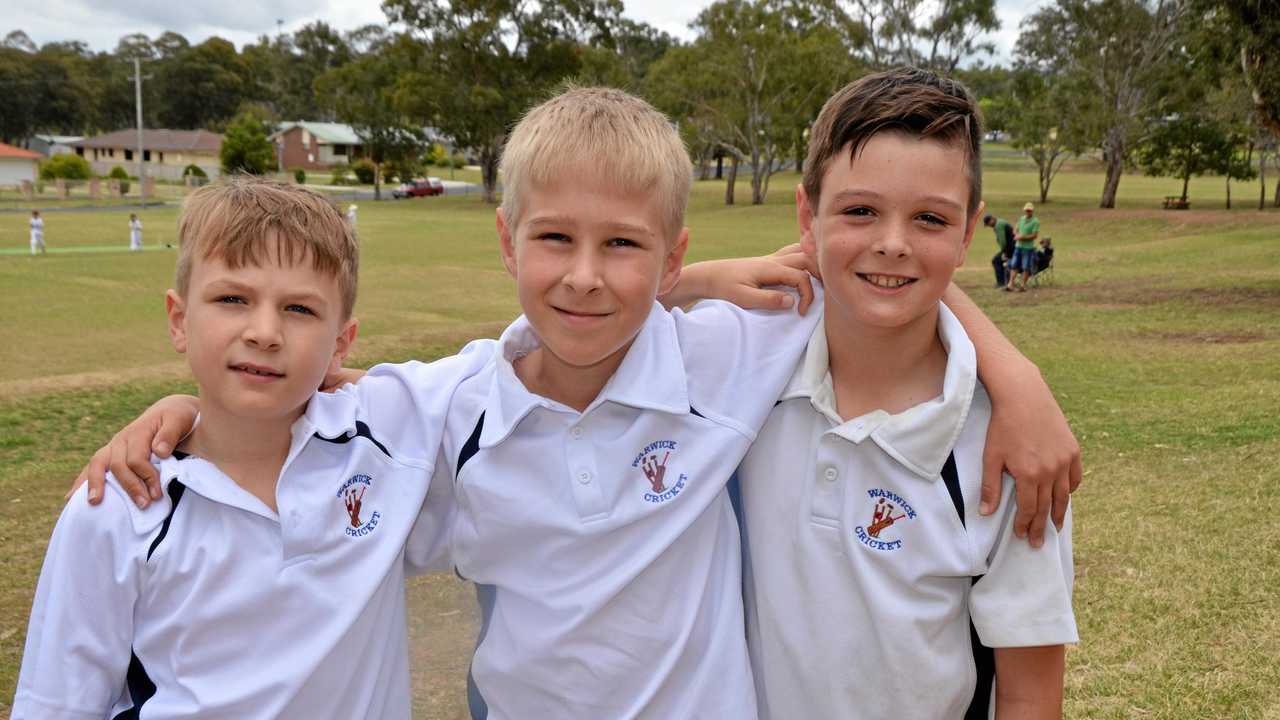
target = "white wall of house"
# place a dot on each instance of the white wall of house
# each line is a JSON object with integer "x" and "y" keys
{"x": 14, "y": 170}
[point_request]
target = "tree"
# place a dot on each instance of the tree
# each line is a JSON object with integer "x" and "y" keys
{"x": 753, "y": 79}
{"x": 363, "y": 94}
{"x": 1038, "y": 114}
{"x": 935, "y": 35}
{"x": 1255, "y": 26}
{"x": 1191, "y": 145}
{"x": 245, "y": 147}
{"x": 1120, "y": 50}
{"x": 480, "y": 63}
{"x": 202, "y": 86}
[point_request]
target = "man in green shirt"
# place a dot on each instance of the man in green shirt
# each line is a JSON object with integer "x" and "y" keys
{"x": 1004, "y": 239}
{"x": 1024, "y": 250}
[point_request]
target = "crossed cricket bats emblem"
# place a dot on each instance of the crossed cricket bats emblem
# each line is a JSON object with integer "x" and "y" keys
{"x": 882, "y": 518}
{"x": 655, "y": 471}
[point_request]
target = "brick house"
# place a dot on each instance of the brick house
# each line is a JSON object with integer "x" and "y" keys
{"x": 17, "y": 165}
{"x": 315, "y": 145}
{"x": 164, "y": 152}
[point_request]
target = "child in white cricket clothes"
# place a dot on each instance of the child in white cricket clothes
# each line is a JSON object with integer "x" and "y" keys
{"x": 37, "y": 233}
{"x": 237, "y": 596}
{"x": 135, "y": 232}
{"x": 859, "y": 496}
{"x": 589, "y": 457}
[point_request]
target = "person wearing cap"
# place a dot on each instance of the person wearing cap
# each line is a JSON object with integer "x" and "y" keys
{"x": 351, "y": 215}
{"x": 1024, "y": 251}
{"x": 1004, "y": 239}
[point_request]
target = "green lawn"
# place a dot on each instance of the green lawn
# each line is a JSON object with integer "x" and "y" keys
{"x": 1160, "y": 336}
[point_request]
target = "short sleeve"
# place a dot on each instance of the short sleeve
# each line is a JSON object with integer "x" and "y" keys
{"x": 407, "y": 403}
{"x": 1024, "y": 598}
{"x": 739, "y": 361}
{"x": 80, "y": 636}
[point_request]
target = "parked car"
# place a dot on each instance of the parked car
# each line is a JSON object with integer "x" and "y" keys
{"x": 419, "y": 188}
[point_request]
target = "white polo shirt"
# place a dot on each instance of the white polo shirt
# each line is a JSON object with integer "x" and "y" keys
{"x": 208, "y": 604}
{"x": 867, "y": 559}
{"x": 603, "y": 545}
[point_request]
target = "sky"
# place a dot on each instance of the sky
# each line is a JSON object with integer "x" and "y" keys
{"x": 101, "y": 24}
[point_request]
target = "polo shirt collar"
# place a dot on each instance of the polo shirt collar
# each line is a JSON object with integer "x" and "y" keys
{"x": 651, "y": 377}
{"x": 921, "y": 437}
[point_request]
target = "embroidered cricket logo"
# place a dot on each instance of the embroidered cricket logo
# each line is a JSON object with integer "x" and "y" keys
{"x": 351, "y": 493}
{"x": 652, "y": 462}
{"x": 889, "y": 508}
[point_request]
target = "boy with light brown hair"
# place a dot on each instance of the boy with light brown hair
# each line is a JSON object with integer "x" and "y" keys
{"x": 588, "y": 458}
{"x": 861, "y": 488}
{"x": 270, "y": 572}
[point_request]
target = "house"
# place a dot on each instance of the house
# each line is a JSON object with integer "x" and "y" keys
{"x": 17, "y": 165}
{"x": 50, "y": 145}
{"x": 165, "y": 153}
{"x": 315, "y": 145}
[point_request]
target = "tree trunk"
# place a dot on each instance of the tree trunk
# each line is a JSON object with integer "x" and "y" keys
{"x": 719, "y": 165}
{"x": 1044, "y": 180}
{"x": 1113, "y": 152}
{"x": 1228, "y": 191}
{"x": 731, "y": 180}
{"x": 704, "y": 163}
{"x": 489, "y": 172}
{"x": 377, "y": 181}
{"x": 1186, "y": 180}
{"x": 757, "y": 179}
{"x": 1262, "y": 177}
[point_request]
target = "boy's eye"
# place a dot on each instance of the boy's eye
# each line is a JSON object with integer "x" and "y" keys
{"x": 621, "y": 242}
{"x": 299, "y": 309}
{"x": 858, "y": 211}
{"x": 933, "y": 219}
{"x": 553, "y": 237}
{"x": 231, "y": 300}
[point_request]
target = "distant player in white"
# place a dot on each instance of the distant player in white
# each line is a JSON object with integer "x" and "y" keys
{"x": 37, "y": 233}
{"x": 135, "y": 232}
{"x": 351, "y": 215}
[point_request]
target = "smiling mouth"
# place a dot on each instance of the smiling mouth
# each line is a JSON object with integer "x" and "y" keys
{"x": 576, "y": 313}
{"x": 257, "y": 370}
{"x": 889, "y": 282}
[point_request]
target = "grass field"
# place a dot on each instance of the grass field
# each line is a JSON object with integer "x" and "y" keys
{"x": 1160, "y": 336}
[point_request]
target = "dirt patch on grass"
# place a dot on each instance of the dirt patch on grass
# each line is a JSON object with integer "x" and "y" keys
{"x": 1206, "y": 337}
{"x": 1120, "y": 295}
{"x": 1179, "y": 218}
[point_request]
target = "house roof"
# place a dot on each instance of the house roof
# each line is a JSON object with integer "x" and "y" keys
{"x": 59, "y": 139}
{"x": 160, "y": 140}
{"x": 326, "y": 132}
{"x": 9, "y": 151}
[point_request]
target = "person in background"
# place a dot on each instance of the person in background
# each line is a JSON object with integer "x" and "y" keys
{"x": 135, "y": 232}
{"x": 1004, "y": 239}
{"x": 1024, "y": 251}
{"x": 351, "y": 215}
{"x": 37, "y": 233}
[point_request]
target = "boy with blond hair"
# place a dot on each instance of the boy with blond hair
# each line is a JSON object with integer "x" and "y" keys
{"x": 859, "y": 494}
{"x": 268, "y": 581}
{"x": 588, "y": 458}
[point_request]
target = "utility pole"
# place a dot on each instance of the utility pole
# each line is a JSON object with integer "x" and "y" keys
{"x": 137, "y": 100}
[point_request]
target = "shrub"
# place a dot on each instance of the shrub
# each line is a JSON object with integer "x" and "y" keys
{"x": 300, "y": 176}
{"x": 68, "y": 167}
{"x": 195, "y": 170}
{"x": 459, "y": 161}
{"x": 339, "y": 176}
{"x": 245, "y": 147}
{"x": 436, "y": 155}
{"x": 364, "y": 170}
{"x": 119, "y": 173}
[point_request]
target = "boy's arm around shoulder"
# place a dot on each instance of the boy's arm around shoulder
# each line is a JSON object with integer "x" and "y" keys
{"x": 80, "y": 634}
{"x": 737, "y": 362}
{"x": 1028, "y": 436}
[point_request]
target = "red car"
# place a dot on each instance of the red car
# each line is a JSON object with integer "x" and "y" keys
{"x": 419, "y": 188}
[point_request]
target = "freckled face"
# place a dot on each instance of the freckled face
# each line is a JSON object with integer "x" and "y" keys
{"x": 889, "y": 230}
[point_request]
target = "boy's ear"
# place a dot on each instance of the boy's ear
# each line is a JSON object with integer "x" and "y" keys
{"x": 346, "y": 339}
{"x": 176, "y": 308}
{"x": 673, "y": 262}
{"x": 970, "y": 227}
{"x": 804, "y": 217}
{"x": 506, "y": 240}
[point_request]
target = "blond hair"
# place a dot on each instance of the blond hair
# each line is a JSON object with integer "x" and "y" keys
{"x": 610, "y": 136}
{"x": 249, "y": 221}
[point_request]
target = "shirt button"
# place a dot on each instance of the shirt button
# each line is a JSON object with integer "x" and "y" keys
{"x": 576, "y": 432}
{"x": 584, "y": 477}
{"x": 830, "y": 474}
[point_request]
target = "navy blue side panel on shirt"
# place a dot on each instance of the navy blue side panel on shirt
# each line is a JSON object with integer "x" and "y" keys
{"x": 176, "y": 489}
{"x": 984, "y": 658}
{"x": 485, "y": 596}
{"x": 140, "y": 689}
{"x": 470, "y": 447}
{"x": 362, "y": 430}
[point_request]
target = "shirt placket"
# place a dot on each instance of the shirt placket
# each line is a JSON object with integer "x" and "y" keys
{"x": 582, "y": 467}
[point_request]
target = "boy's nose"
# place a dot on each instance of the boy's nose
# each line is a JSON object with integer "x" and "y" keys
{"x": 893, "y": 241}
{"x": 583, "y": 275}
{"x": 263, "y": 330}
